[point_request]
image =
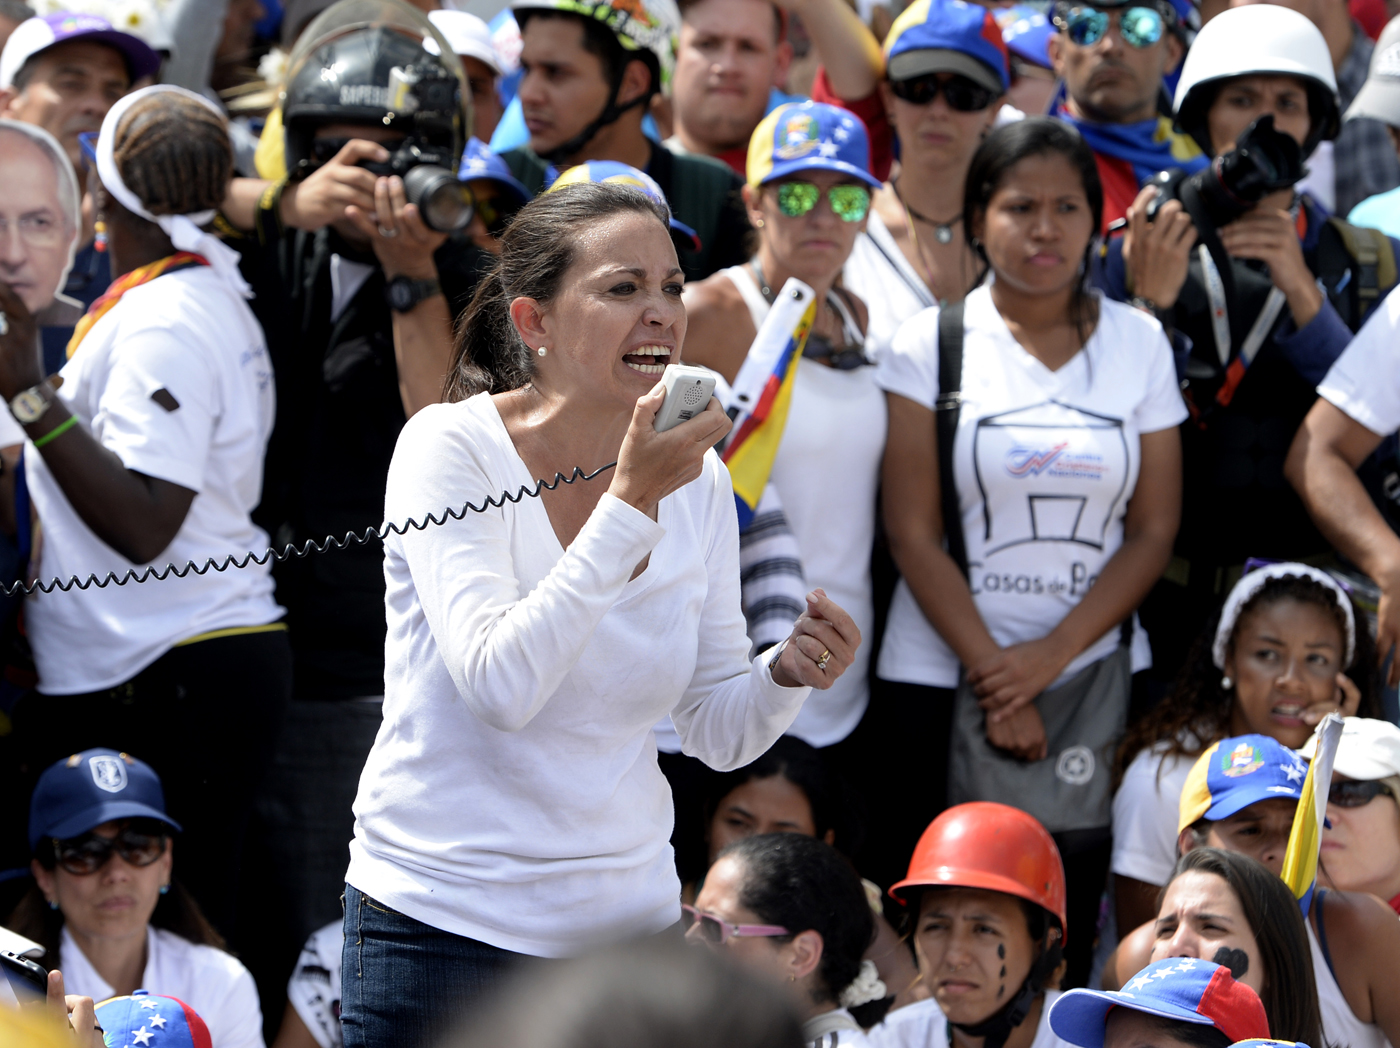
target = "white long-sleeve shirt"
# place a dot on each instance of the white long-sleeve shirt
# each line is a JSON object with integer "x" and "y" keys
{"x": 513, "y": 794}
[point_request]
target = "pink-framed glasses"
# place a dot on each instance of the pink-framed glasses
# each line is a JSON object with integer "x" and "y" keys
{"x": 719, "y": 931}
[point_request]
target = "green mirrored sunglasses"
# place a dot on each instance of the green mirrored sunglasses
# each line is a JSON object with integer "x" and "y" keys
{"x": 848, "y": 203}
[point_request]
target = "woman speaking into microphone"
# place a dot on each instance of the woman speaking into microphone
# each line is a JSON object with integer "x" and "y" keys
{"x": 512, "y": 804}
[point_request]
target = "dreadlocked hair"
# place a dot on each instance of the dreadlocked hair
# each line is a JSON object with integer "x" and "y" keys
{"x": 1197, "y": 712}
{"x": 174, "y": 154}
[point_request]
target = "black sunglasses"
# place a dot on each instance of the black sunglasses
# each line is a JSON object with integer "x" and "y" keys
{"x": 137, "y": 845}
{"x": 1356, "y": 794}
{"x": 963, "y": 94}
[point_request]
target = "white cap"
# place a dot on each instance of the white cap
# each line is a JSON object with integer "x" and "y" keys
{"x": 468, "y": 35}
{"x": 1379, "y": 97}
{"x": 1370, "y": 749}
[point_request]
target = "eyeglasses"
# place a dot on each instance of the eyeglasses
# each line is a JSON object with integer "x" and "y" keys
{"x": 719, "y": 931}
{"x": 1356, "y": 794}
{"x": 962, "y": 93}
{"x": 849, "y": 203}
{"x": 1138, "y": 26}
{"x": 87, "y": 854}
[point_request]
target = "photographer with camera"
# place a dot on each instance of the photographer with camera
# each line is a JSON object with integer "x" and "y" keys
{"x": 1266, "y": 288}
{"x": 358, "y": 272}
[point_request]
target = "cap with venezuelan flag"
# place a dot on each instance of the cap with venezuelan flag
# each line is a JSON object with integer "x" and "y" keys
{"x": 948, "y": 36}
{"x": 1237, "y": 772}
{"x": 614, "y": 172}
{"x": 806, "y": 136}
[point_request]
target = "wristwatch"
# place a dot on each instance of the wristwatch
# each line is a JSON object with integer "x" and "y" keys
{"x": 30, "y": 404}
{"x": 404, "y": 293}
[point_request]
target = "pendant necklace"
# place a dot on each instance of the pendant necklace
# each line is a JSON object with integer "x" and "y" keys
{"x": 942, "y": 231}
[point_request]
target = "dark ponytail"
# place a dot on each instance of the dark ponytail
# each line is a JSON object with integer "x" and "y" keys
{"x": 537, "y": 249}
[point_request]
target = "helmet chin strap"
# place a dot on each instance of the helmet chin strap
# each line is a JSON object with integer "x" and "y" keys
{"x": 610, "y": 114}
{"x": 996, "y": 1028}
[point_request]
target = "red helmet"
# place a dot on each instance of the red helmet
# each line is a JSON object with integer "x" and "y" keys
{"x": 990, "y": 846}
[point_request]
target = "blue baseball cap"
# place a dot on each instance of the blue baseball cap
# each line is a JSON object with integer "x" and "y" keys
{"x": 87, "y": 789}
{"x": 478, "y": 162}
{"x": 618, "y": 173}
{"x": 807, "y": 136}
{"x": 1238, "y": 772}
{"x": 948, "y": 36}
{"x": 35, "y": 35}
{"x": 148, "y": 1020}
{"x": 1187, "y": 989}
{"x": 1026, "y": 33}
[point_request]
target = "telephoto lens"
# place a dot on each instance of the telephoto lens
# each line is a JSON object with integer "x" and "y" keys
{"x": 1263, "y": 161}
{"x": 445, "y": 203}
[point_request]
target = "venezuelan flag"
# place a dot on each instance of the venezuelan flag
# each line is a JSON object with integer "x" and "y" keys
{"x": 762, "y": 394}
{"x": 1305, "y": 839}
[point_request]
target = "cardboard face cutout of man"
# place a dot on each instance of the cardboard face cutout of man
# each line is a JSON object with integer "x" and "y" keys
{"x": 40, "y": 220}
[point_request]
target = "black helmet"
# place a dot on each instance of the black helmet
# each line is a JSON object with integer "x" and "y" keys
{"x": 375, "y": 62}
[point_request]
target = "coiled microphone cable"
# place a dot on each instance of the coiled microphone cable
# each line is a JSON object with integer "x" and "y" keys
{"x": 292, "y": 551}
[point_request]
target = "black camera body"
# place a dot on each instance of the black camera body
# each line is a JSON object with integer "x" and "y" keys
{"x": 1263, "y": 161}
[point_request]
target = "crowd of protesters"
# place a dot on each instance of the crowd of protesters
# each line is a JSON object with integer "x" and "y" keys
{"x": 952, "y": 677}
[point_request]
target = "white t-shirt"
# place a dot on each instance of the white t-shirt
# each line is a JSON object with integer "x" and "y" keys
{"x": 817, "y": 1032}
{"x": 513, "y": 793}
{"x": 835, "y": 428}
{"x": 187, "y": 334}
{"x": 1146, "y": 810}
{"x": 314, "y": 988}
{"x": 923, "y": 1025}
{"x": 879, "y": 273}
{"x": 1045, "y": 462}
{"x": 1364, "y": 381}
{"x": 213, "y": 983}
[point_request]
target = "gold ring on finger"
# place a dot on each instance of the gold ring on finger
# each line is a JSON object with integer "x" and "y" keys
{"x": 825, "y": 658}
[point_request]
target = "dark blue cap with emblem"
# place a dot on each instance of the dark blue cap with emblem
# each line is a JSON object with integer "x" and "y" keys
{"x": 85, "y": 790}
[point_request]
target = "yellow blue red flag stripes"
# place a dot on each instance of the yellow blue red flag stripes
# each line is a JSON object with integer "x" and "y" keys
{"x": 762, "y": 394}
{"x": 1305, "y": 840}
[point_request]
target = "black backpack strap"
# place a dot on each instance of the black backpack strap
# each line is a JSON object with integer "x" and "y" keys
{"x": 945, "y": 415}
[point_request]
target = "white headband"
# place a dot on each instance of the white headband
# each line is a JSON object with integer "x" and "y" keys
{"x": 183, "y": 230}
{"x": 1252, "y": 583}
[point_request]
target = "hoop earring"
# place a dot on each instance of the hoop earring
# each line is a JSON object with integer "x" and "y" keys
{"x": 543, "y": 350}
{"x": 1226, "y": 683}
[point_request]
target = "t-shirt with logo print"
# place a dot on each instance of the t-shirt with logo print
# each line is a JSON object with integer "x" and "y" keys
{"x": 1045, "y": 464}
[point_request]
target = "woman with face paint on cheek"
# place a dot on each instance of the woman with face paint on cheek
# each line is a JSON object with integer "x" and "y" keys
{"x": 986, "y": 893}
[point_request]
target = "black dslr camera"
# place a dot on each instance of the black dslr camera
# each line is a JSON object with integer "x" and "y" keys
{"x": 1263, "y": 161}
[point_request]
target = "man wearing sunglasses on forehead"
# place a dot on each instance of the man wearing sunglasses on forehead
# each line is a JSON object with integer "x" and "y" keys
{"x": 106, "y": 907}
{"x": 1112, "y": 58}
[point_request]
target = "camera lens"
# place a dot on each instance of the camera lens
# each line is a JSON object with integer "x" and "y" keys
{"x": 445, "y": 203}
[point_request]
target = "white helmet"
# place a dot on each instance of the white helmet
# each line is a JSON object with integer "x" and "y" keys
{"x": 1257, "y": 38}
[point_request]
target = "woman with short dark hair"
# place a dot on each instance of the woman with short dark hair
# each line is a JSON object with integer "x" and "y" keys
{"x": 789, "y": 907}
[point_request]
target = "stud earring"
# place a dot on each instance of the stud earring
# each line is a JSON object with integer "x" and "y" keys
{"x": 165, "y": 889}
{"x": 1226, "y": 683}
{"x": 759, "y": 223}
{"x": 53, "y": 904}
{"x": 543, "y": 350}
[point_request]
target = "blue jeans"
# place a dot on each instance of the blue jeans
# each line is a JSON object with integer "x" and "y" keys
{"x": 405, "y": 983}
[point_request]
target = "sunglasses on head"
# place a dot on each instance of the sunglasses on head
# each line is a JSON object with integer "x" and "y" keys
{"x": 138, "y": 845}
{"x": 1138, "y": 26}
{"x": 848, "y": 203}
{"x": 717, "y": 930}
{"x": 1356, "y": 794}
{"x": 962, "y": 93}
